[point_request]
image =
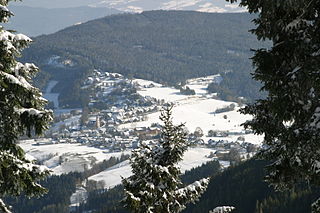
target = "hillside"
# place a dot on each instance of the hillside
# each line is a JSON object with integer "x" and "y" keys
{"x": 34, "y": 21}
{"x": 163, "y": 46}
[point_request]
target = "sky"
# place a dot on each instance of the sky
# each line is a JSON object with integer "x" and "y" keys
{"x": 139, "y": 5}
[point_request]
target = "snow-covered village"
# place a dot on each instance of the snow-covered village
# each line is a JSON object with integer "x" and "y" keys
{"x": 123, "y": 113}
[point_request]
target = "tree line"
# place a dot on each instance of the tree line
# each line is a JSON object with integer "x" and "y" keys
{"x": 164, "y": 46}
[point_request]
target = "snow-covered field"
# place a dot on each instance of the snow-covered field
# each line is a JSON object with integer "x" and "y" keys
{"x": 196, "y": 110}
{"x": 66, "y": 157}
{"x": 194, "y": 157}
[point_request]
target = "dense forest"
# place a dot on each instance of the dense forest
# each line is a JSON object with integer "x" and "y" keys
{"x": 58, "y": 198}
{"x": 164, "y": 46}
{"x": 241, "y": 186}
{"x": 109, "y": 201}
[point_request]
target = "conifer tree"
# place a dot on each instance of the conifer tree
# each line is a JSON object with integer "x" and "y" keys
{"x": 21, "y": 113}
{"x": 154, "y": 185}
{"x": 289, "y": 117}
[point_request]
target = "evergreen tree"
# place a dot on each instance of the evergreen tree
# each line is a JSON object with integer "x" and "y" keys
{"x": 289, "y": 117}
{"x": 154, "y": 185}
{"x": 21, "y": 113}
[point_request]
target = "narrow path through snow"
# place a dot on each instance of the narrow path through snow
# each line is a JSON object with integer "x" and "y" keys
{"x": 50, "y": 96}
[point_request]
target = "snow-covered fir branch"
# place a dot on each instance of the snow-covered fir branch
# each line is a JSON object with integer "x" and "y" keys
{"x": 22, "y": 112}
{"x": 155, "y": 185}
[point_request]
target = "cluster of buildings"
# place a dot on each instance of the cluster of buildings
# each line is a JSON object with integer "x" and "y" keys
{"x": 112, "y": 90}
{"x": 115, "y": 101}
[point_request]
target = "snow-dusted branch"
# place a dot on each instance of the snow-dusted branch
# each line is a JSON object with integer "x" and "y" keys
{"x": 223, "y": 209}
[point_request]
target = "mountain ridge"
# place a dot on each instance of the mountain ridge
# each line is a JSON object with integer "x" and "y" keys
{"x": 164, "y": 46}
{"x": 141, "y": 5}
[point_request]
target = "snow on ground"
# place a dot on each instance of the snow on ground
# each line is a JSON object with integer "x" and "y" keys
{"x": 65, "y": 157}
{"x": 50, "y": 86}
{"x": 168, "y": 94}
{"x": 252, "y": 138}
{"x": 50, "y": 96}
{"x": 200, "y": 114}
{"x": 78, "y": 197}
{"x": 224, "y": 164}
{"x": 199, "y": 85}
{"x": 195, "y": 110}
{"x": 194, "y": 157}
{"x": 113, "y": 176}
{"x": 54, "y": 97}
{"x": 163, "y": 93}
{"x": 72, "y": 121}
{"x": 146, "y": 83}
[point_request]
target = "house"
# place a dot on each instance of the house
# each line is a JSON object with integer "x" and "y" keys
{"x": 221, "y": 154}
{"x": 147, "y": 133}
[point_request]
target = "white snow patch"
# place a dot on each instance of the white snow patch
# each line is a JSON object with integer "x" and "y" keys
{"x": 209, "y": 8}
{"x": 179, "y": 4}
{"x": 66, "y": 157}
{"x": 78, "y": 197}
{"x": 196, "y": 110}
{"x": 194, "y": 157}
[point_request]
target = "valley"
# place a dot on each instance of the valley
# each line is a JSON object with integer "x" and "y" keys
{"x": 167, "y": 47}
{"x": 106, "y": 103}
{"x": 124, "y": 112}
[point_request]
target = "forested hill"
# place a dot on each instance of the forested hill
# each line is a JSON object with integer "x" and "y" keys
{"x": 164, "y": 46}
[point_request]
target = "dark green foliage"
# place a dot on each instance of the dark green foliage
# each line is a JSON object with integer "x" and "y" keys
{"x": 242, "y": 186}
{"x": 295, "y": 201}
{"x": 109, "y": 201}
{"x": 155, "y": 185}
{"x": 69, "y": 85}
{"x": 289, "y": 117}
{"x": 187, "y": 91}
{"x": 60, "y": 189}
{"x": 236, "y": 84}
{"x": 106, "y": 201}
{"x": 41, "y": 79}
{"x": 229, "y": 108}
{"x": 164, "y": 46}
{"x": 21, "y": 113}
{"x": 209, "y": 169}
{"x": 55, "y": 208}
{"x": 239, "y": 186}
